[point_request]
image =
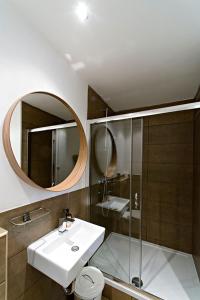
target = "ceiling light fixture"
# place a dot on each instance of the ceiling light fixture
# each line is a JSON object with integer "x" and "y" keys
{"x": 82, "y": 11}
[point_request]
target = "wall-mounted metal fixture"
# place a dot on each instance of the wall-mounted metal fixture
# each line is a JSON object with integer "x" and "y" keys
{"x": 29, "y": 217}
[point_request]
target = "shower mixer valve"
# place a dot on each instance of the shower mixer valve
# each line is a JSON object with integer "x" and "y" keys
{"x": 136, "y": 201}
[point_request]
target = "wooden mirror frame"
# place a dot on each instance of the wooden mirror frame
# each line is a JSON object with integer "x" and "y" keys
{"x": 110, "y": 172}
{"x": 79, "y": 168}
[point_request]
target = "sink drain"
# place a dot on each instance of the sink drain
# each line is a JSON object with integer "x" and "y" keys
{"x": 137, "y": 282}
{"x": 75, "y": 248}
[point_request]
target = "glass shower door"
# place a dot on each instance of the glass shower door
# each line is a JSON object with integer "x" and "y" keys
{"x": 115, "y": 196}
{"x": 136, "y": 203}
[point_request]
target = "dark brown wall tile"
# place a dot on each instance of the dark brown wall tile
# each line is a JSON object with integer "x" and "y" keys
{"x": 170, "y": 173}
{"x": 44, "y": 289}
{"x": 171, "y": 118}
{"x": 164, "y": 134}
{"x": 173, "y": 214}
{"x": 171, "y": 154}
{"x": 168, "y": 180}
{"x": 2, "y": 291}
{"x": 21, "y": 276}
{"x": 2, "y": 258}
{"x": 171, "y": 193}
{"x": 113, "y": 294}
{"x": 97, "y": 106}
{"x": 170, "y": 235}
{"x": 196, "y": 207}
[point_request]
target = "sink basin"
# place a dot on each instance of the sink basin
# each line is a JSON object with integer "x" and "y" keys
{"x": 114, "y": 203}
{"x": 61, "y": 256}
{"x": 136, "y": 214}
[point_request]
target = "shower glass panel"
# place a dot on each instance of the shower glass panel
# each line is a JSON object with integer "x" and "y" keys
{"x": 115, "y": 195}
{"x": 136, "y": 203}
{"x": 163, "y": 163}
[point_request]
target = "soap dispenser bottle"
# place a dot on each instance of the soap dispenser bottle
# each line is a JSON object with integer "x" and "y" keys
{"x": 68, "y": 217}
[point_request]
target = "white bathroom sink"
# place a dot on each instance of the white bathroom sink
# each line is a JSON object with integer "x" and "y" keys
{"x": 114, "y": 203}
{"x": 136, "y": 214}
{"x": 53, "y": 254}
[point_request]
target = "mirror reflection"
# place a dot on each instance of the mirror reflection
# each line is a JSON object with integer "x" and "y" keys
{"x": 105, "y": 152}
{"x": 44, "y": 138}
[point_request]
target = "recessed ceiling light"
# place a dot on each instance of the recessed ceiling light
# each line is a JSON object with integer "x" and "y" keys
{"x": 82, "y": 11}
{"x": 68, "y": 57}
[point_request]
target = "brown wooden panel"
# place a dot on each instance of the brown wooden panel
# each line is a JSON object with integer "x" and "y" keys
{"x": 2, "y": 291}
{"x": 168, "y": 180}
{"x": 33, "y": 117}
{"x": 2, "y": 258}
{"x": 172, "y": 193}
{"x": 164, "y": 134}
{"x": 40, "y": 162}
{"x": 174, "y": 213}
{"x": 97, "y": 106}
{"x": 43, "y": 289}
{"x": 196, "y": 217}
{"x": 114, "y": 294}
{"x": 21, "y": 276}
{"x": 170, "y": 235}
{"x": 171, "y": 118}
{"x": 170, "y": 173}
{"x": 81, "y": 207}
{"x": 171, "y": 153}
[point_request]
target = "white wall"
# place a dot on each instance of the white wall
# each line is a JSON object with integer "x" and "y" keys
{"x": 28, "y": 63}
{"x": 16, "y": 132}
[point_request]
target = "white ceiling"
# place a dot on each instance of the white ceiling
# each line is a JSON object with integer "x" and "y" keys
{"x": 132, "y": 52}
{"x": 49, "y": 104}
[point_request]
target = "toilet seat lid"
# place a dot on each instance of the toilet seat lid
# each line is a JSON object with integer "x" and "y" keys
{"x": 89, "y": 283}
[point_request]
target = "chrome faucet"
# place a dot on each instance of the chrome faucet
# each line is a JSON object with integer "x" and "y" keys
{"x": 68, "y": 216}
{"x": 136, "y": 201}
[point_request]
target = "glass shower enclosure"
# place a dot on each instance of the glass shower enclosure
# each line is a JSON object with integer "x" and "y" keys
{"x": 116, "y": 196}
{"x": 144, "y": 189}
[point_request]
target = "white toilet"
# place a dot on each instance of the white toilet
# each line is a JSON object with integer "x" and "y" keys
{"x": 89, "y": 284}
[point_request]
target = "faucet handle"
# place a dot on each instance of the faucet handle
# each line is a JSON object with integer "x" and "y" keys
{"x": 26, "y": 217}
{"x": 68, "y": 215}
{"x": 136, "y": 201}
{"x": 66, "y": 212}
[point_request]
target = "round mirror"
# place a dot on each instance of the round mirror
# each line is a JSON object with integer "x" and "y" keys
{"x": 105, "y": 153}
{"x": 45, "y": 141}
